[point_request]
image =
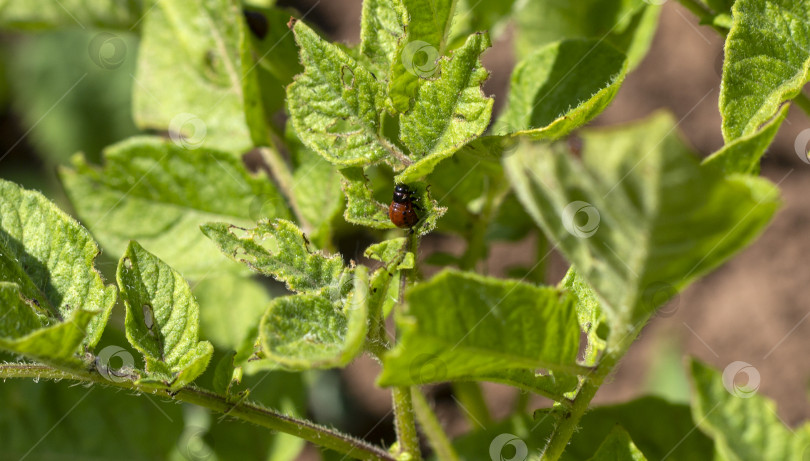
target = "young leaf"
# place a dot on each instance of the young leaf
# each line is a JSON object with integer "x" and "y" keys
{"x": 448, "y": 112}
{"x": 49, "y": 257}
{"x": 629, "y": 26}
{"x": 619, "y": 447}
{"x": 279, "y": 249}
{"x": 26, "y": 333}
{"x": 315, "y": 330}
{"x": 484, "y": 326}
{"x": 639, "y": 187}
{"x": 162, "y": 320}
{"x": 767, "y": 62}
{"x": 427, "y": 27}
{"x": 382, "y": 27}
{"x": 744, "y": 426}
{"x": 201, "y": 47}
{"x": 159, "y": 193}
{"x": 589, "y": 312}
{"x": 560, "y": 87}
{"x": 743, "y": 154}
{"x": 335, "y": 105}
{"x": 363, "y": 209}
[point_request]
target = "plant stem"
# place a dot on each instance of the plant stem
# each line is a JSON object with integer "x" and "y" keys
{"x": 405, "y": 423}
{"x": 407, "y": 438}
{"x": 471, "y": 399}
{"x": 432, "y": 428}
{"x": 243, "y": 410}
{"x": 619, "y": 341}
{"x": 705, "y": 15}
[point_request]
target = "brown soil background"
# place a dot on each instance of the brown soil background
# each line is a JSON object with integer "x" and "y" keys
{"x": 752, "y": 309}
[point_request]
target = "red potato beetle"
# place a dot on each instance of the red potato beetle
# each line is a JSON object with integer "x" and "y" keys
{"x": 402, "y": 212}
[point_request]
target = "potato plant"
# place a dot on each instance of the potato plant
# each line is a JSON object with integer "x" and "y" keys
{"x": 262, "y": 143}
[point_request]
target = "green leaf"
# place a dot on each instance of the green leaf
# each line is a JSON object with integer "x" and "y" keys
{"x": 49, "y": 257}
{"x": 618, "y": 214}
{"x": 315, "y": 330}
{"x": 744, "y": 425}
{"x": 279, "y": 249}
{"x": 159, "y": 193}
{"x": 474, "y": 16}
{"x": 363, "y": 209}
{"x": 230, "y": 308}
{"x": 316, "y": 189}
{"x": 59, "y": 421}
{"x": 448, "y": 112}
{"x": 628, "y": 25}
{"x": 767, "y": 62}
{"x": 88, "y": 72}
{"x": 37, "y": 15}
{"x": 560, "y": 87}
{"x": 382, "y": 27}
{"x": 742, "y": 155}
{"x": 24, "y": 332}
{"x": 485, "y": 326}
{"x": 335, "y": 105}
{"x": 162, "y": 319}
{"x": 659, "y": 429}
{"x": 427, "y": 29}
{"x": 201, "y": 47}
{"x": 619, "y": 447}
{"x": 275, "y": 51}
{"x": 463, "y": 182}
{"x": 589, "y": 313}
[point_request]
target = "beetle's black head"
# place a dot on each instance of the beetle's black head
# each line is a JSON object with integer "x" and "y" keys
{"x": 402, "y": 193}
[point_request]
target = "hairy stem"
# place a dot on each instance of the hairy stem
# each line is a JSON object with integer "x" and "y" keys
{"x": 432, "y": 428}
{"x": 405, "y": 423}
{"x": 242, "y": 410}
